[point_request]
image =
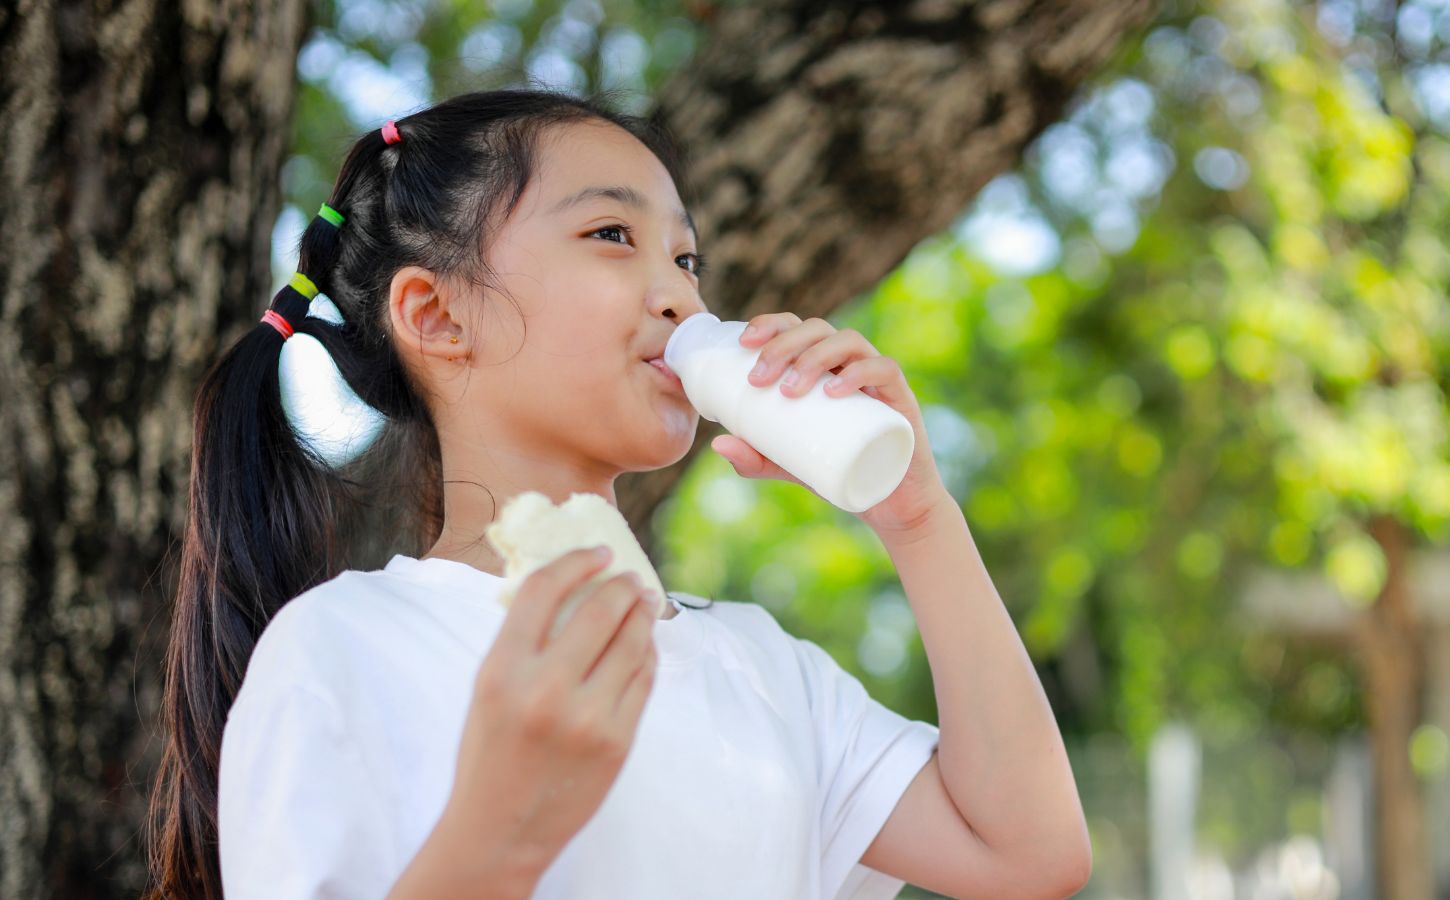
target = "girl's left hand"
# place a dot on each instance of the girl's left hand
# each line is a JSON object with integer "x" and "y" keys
{"x": 810, "y": 349}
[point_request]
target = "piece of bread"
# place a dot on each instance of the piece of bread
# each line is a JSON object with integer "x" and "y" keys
{"x": 531, "y": 531}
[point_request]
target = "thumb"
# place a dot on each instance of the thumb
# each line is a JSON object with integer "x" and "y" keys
{"x": 751, "y": 463}
{"x": 738, "y": 453}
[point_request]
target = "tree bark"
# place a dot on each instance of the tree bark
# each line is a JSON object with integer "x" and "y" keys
{"x": 1391, "y": 657}
{"x": 856, "y": 131}
{"x": 144, "y": 144}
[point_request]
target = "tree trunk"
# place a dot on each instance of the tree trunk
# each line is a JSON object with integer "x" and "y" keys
{"x": 143, "y": 143}
{"x": 1392, "y": 663}
{"x": 856, "y": 131}
{"x": 143, "y": 146}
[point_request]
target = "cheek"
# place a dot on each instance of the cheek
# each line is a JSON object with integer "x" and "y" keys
{"x": 580, "y": 338}
{"x": 594, "y": 324}
{"x": 576, "y": 322}
{"x": 580, "y": 362}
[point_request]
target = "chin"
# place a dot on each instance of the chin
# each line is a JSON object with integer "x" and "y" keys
{"x": 669, "y": 423}
{"x": 670, "y": 440}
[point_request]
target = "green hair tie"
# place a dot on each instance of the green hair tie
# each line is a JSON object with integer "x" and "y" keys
{"x": 303, "y": 285}
{"x": 331, "y": 215}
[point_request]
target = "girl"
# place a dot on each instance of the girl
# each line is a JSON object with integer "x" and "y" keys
{"x": 396, "y": 731}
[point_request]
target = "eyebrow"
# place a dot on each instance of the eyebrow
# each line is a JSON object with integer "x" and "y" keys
{"x": 624, "y": 194}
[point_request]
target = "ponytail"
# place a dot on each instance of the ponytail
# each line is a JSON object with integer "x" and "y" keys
{"x": 259, "y": 532}
{"x": 269, "y": 514}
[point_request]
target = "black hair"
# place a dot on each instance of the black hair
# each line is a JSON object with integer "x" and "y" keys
{"x": 268, "y": 517}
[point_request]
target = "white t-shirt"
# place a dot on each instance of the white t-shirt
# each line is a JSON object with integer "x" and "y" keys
{"x": 760, "y": 768}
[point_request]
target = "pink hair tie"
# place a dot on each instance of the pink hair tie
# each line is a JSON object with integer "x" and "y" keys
{"x": 390, "y": 134}
{"x": 275, "y": 319}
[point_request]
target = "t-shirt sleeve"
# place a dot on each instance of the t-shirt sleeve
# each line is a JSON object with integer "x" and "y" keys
{"x": 867, "y": 754}
{"x": 297, "y": 816}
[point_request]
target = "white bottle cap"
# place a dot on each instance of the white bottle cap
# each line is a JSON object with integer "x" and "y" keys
{"x": 690, "y": 335}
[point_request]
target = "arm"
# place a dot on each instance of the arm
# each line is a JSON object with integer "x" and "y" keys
{"x": 1001, "y": 765}
{"x": 464, "y": 858}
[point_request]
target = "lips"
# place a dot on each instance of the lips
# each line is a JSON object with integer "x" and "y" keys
{"x": 664, "y": 370}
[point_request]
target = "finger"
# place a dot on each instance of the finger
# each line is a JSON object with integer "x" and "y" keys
{"x": 869, "y": 375}
{"x": 748, "y": 461}
{"x": 584, "y": 637}
{"x": 763, "y": 327}
{"x": 780, "y": 350}
{"x": 636, "y": 692}
{"x": 542, "y": 593}
{"x": 838, "y": 349}
{"x": 627, "y": 651}
{"x": 785, "y": 345}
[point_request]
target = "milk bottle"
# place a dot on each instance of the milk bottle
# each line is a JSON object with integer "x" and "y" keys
{"x": 853, "y": 450}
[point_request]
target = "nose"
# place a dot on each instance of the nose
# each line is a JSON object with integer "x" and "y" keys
{"x": 675, "y": 299}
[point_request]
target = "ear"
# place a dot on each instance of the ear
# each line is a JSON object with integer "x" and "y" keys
{"x": 418, "y": 305}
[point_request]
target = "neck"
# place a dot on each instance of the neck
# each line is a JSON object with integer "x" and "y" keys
{"x": 477, "y": 552}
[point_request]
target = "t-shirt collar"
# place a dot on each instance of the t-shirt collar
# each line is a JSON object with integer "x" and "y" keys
{"x": 677, "y": 639}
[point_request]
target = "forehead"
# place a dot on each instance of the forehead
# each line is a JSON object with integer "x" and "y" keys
{"x": 592, "y": 162}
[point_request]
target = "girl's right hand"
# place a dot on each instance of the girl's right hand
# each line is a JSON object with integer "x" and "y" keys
{"x": 551, "y": 722}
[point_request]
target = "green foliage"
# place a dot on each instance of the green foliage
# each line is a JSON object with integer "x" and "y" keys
{"x": 1229, "y": 365}
{"x": 1201, "y": 329}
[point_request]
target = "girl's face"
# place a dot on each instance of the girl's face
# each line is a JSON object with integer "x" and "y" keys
{"x": 599, "y": 259}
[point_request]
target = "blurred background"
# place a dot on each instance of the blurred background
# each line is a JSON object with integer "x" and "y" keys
{"x": 1183, "y": 363}
{"x": 1185, "y": 369}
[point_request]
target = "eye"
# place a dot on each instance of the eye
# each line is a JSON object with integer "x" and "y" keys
{"x": 623, "y": 229}
{"x": 697, "y": 270}
{"x": 699, "y": 259}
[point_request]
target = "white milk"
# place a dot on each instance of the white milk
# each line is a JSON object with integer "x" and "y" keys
{"x": 852, "y": 450}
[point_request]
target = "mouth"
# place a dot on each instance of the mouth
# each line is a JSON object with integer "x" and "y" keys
{"x": 665, "y": 372}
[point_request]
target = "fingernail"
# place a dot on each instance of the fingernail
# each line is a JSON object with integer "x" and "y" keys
{"x": 602, "y": 551}
{"x": 749, "y": 330}
{"x": 791, "y": 376}
{"x": 760, "y": 368}
{"x": 834, "y": 382}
